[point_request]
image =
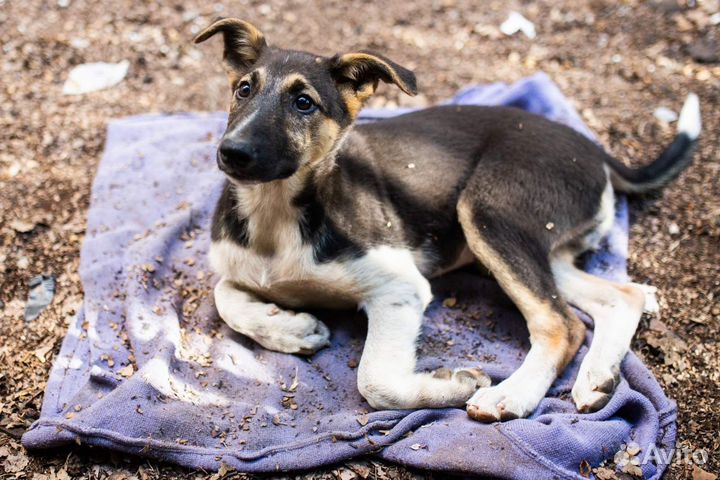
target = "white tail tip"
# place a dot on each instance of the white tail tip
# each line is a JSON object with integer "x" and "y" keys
{"x": 690, "y": 122}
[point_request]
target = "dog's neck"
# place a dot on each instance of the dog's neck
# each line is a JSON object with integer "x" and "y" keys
{"x": 270, "y": 209}
{"x": 271, "y": 217}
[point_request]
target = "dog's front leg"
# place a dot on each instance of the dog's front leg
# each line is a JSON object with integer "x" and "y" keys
{"x": 386, "y": 375}
{"x": 267, "y": 324}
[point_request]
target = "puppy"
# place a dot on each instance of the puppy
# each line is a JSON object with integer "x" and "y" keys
{"x": 317, "y": 212}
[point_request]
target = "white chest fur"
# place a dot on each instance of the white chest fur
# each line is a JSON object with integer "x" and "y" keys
{"x": 279, "y": 266}
{"x": 293, "y": 278}
{"x": 290, "y": 276}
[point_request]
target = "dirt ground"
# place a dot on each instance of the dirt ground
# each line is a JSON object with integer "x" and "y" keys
{"x": 618, "y": 61}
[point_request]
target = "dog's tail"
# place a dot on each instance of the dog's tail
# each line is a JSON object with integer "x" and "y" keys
{"x": 671, "y": 162}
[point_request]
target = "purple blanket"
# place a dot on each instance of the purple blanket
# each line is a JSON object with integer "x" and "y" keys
{"x": 148, "y": 367}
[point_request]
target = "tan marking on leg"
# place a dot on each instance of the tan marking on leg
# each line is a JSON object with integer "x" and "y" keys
{"x": 633, "y": 294}
{"x": 562, "y": 331}
{"x": 555, "y": 337}
{"x": 616, "y": 310}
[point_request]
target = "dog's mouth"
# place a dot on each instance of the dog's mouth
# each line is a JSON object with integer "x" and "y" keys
{"x": 227, "y": 169}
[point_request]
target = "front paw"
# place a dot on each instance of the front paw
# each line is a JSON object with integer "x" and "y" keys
{"x": 474, "y": 377}
{"x": 501, "y": 402}
{"x": 293, "y": 333}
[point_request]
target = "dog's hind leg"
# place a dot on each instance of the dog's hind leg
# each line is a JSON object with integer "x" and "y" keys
{"x": 520, "y": 263}
{"x": 616, "y": 310}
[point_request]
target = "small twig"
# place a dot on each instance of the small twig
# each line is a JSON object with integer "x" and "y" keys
{"x": 11, "y": 433}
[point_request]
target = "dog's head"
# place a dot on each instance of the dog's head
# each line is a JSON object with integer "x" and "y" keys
{"x": 290, "y": 109}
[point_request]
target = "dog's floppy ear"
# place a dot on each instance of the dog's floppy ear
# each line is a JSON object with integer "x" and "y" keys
{"x": 243, "y": 42}
{"x": 364, "y": 69}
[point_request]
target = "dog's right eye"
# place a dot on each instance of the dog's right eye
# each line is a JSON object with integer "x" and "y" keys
{"x": 243, "y": 90}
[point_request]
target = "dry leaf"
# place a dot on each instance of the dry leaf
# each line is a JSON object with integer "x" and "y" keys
{"x": 126, "y": 371}
{"x": 347, "y": 475}
{"x": 22, "y": 227}
{"x": 585, "y": 469}
{"x": 450, "y": 302}
{"x": 633, "y": 470}
{"x": 361, "y": 469}
{"x": 62, "y": 475}
{"x": 700, "y": 474}
{"x": 603, "y": 473}
{"x": 223, "y": 472}
{"x": 107, "y": 358}
{"x": 16, "y": 463}
{"x": 362, "y": 419}
{"x": 295, "y": 382}
{"x": 121, "y": 475}
{"x": 633, "y": 449}
{"x": 43, "y": 350}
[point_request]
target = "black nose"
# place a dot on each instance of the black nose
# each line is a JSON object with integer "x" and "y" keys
{"x": 236, "y": 153}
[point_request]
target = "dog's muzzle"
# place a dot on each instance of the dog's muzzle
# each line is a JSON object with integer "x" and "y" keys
{"x": 236, "y": 158}
{"x": 243, "y": 161}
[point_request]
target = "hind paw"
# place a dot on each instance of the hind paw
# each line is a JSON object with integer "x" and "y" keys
{"x": 593, "y": 390}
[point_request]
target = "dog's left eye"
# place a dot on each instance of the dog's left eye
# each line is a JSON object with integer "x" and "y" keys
{"x": 304, "y": 104}
{"x": 243, "y": 90}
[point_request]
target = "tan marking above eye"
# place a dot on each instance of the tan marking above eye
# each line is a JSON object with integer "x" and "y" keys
{"x": 261, "y": 74}
{"x": 290, "y": 80}
{"x": 256, "y": 78}
{"x": 294, "y": 80}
